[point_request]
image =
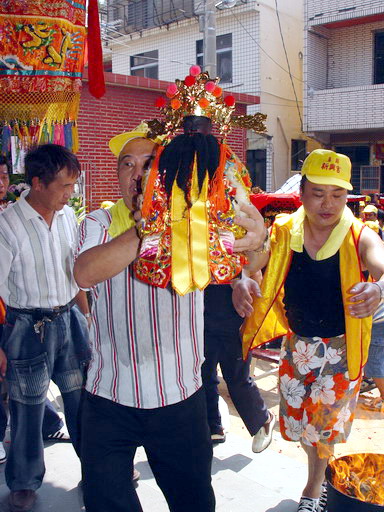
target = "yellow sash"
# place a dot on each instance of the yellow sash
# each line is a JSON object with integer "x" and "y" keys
{"x": 190, "y": 238}
{"x": 336, "y": 238}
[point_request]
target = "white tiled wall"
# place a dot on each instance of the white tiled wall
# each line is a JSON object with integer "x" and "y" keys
{"x": 352, "y": 108}
{"x": 327, "y": 11}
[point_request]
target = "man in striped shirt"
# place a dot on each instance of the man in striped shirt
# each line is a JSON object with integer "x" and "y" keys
{"x": 43, "y": 337}
{"x": 144, "y": 383}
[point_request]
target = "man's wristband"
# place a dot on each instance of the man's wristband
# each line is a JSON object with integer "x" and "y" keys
{"x": 87, "y": 315}
{"x": 264, "y": 248}
{"x": 380, "y": 288}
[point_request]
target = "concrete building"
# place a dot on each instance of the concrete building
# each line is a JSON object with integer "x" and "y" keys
{"x": 344, "y": 83}
{"x": 255, "y": 55}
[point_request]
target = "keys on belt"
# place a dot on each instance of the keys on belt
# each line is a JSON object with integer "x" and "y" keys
{"x": 39, "y": 327}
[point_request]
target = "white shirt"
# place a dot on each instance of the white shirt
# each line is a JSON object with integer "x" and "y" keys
{"x": 147, "y": 342}
{"x": 36, "y": 261}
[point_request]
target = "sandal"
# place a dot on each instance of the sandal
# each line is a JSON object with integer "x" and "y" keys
{"x": 367, "y": 385}
{"x": 374, "y": 404}
{"x": 60, "y": 435}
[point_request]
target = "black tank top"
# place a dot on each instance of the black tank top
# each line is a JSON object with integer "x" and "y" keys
{"x": 313, "y": 299}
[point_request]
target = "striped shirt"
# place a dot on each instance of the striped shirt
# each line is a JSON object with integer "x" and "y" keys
{"x": 147, "y": 342}
{"x": 36, "y": 261}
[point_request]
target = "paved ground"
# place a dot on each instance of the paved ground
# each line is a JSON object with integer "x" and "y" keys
{"x": 243, "y": 481}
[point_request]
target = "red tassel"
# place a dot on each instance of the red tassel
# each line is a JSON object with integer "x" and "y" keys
{"x": 95, "y": 54}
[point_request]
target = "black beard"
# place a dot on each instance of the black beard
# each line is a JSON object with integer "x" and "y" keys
{"x": 176, "y": 160}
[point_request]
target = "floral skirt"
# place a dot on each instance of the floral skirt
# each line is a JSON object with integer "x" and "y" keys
{"x": 317, "y": 399}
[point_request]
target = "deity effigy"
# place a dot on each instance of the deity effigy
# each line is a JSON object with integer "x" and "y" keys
{"x": 194, "y": 189}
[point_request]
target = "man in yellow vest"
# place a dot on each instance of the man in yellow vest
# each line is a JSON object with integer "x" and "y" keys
{"x": 314, "y": 292}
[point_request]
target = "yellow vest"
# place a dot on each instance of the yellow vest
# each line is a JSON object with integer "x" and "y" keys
{"x": 269, "y": 321}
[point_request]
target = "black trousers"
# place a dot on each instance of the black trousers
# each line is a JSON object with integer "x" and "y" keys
{"x": 176, "y": 440}
{"x": 222, "y": 345}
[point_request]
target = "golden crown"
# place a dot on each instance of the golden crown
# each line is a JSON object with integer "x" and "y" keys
{"x": 199, "y": 95}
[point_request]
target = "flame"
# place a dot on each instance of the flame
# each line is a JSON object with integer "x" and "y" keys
{"x": 361, "y": 476}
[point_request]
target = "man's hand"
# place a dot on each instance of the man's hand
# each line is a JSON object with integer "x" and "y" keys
{"x": 244, "y": 291}
{"x": 365, "y": 298}
{"x": 256, "y": 230}
{"x": 3, "y": 364}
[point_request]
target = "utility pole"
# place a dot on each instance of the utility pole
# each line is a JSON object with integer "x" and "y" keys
{"x": 209, "y": 41}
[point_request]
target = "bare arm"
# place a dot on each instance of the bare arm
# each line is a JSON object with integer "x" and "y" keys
{"x": 371, "y": 249}
{"x": 365, "y": 297}
{"x": 107, "y": 260}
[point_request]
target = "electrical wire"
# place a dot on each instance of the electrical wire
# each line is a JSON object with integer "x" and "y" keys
{"x": 262, "y": 49}
{"x": 288, "y": 64}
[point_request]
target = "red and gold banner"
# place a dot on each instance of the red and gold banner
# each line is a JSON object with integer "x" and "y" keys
{"x": 41, "y": 63}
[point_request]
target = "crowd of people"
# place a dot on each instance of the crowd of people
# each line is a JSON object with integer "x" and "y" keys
{"x": 148, "y": 377}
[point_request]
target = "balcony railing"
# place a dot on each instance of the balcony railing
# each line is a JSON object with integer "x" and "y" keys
{"x": 121, "y": 17}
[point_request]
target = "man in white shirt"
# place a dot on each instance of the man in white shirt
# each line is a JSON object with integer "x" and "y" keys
{"x": 144, "y": 383}
{"x": 43, "y": 337}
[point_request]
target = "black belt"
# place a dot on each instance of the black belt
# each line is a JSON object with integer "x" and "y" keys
{"x": 40, "y": 313}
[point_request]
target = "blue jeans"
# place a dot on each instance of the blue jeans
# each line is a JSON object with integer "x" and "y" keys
{"x": 51, "y": 423}
{"x": 34, "y": 359}
{"x": 222, "y": 344}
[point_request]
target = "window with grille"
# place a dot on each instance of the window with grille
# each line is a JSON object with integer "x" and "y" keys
{"x": 145, "y": 64}
{"x": 223, "y": 56}
{"x": 370, "y": 178}
{"x": 298, "y": 152}
{"x": 378, "y": 58}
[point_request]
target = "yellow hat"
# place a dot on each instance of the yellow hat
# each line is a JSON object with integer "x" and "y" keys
{"x": 117, "y": 143}
{"x": 370, "y": 208}
{"x": 326, "y": 167}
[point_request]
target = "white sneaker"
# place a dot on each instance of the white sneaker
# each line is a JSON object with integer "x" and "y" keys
{"x": 308, "y": 504}
{"x": 3, "y": 455}
{"x": 263, "y": 438}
